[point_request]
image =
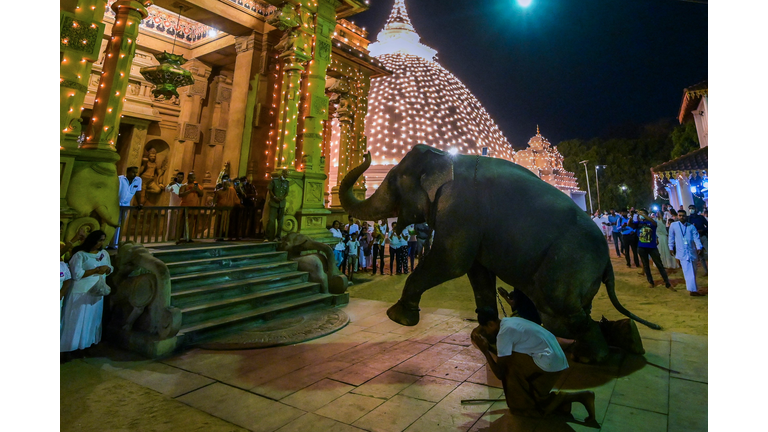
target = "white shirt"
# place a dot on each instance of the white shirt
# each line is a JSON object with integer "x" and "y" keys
{"x": 128, "y": 190}
{"x": 526, "y": 337}
{"x": 175, "y": 200}
{"x": 337, "y": 234}
{"x": 353, "y": 228}
{"x": 353, "y": 245}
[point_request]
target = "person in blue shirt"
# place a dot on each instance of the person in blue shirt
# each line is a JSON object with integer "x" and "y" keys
{"x": 646, "y": 245}
{"x": 614, "y": 218}
{"x": 630, "y": 238}
{"x": 685, "y": 245}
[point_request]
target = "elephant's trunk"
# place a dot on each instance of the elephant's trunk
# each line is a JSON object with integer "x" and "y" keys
{"x": 378, "y": 206}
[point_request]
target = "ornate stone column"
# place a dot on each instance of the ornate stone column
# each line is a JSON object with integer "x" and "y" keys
{"x": 189, "y": 134}
{"x": 89, "y": 187}
{"x": 81, "y": 34}
{"x": 236, "y": 123}
{"x": 295, "y": 47}
{"x": 360, "y": 145}
{"x": 113, "y": 83}
{"x": 208, "y": 166}
{"x": 346, "y": 115}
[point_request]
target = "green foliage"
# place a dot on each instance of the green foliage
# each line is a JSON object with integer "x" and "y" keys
{"x": 628, "y": 162}
{"x": 685, "y": 139}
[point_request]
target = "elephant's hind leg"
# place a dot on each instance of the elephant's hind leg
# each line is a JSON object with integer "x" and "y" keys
{"x": 441, "y": 265}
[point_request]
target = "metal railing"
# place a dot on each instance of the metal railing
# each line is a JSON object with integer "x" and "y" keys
{"x": 183, "y": 224}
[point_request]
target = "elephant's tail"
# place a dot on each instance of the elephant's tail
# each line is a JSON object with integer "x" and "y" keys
{"x": 610, "y": 286}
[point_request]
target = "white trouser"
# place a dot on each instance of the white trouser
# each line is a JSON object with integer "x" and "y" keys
{"x": 689, "y": 271}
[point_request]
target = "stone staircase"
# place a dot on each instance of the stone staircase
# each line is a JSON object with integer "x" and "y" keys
{"x": 225, "y": 287}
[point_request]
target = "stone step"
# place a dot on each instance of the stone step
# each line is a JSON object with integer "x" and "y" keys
{"x": 199, "y": 295}
{"x": 195, "y": 251}
{"x": 224, "y": 263}
{"x": 232, "y": 323}
{"x": 210, "y": 278}
{"x": 192, "y": 315}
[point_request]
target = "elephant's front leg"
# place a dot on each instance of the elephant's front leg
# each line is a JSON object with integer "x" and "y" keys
{"x": 441, "y": 265}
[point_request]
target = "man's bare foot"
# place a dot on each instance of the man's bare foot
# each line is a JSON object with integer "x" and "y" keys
{"x": 587, "y": 398}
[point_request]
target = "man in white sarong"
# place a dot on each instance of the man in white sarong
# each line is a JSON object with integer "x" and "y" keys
{"x": 685, "y": 244}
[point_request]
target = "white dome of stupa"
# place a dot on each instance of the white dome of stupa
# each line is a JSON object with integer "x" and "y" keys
{"x": 421, "y": 102}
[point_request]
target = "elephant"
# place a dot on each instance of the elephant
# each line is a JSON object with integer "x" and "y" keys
{"x": 133, "y": 294}
{"x": 493, "y": 218}
{"x": 92, "y": 195}
{"x": 295, "y": 244}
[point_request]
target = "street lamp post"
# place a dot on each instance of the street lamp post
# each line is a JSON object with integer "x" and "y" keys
{"x": 586, "y": 173}
{"x": 597, "y": 181}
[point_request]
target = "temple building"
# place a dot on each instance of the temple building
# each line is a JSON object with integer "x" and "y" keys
{"x": 245, "y": 87}
{"x": 419, "y": 103}
{"x": 680, "y": 179}
{"x": 542, "y": 159}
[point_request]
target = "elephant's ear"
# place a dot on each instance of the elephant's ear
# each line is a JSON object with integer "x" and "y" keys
{"x": 437, "y": 170}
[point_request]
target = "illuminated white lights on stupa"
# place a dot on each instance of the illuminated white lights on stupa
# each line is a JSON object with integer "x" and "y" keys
{"x": 422, "y": 103}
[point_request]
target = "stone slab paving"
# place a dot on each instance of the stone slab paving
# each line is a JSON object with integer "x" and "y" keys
{"x": 374, "y": 375}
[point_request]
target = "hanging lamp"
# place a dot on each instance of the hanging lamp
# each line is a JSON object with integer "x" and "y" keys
{"x": 168, "y": 75}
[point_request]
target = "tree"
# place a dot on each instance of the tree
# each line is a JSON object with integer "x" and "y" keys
{"x": 685, "y": 139}
{"x": 628, "y": 162}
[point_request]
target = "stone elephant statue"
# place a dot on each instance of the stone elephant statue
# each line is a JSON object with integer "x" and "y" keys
{"x": 493, "y": 218}
{"x": 141, "y": 300}
{"x": 295, "y": 243}
{"x": 92, "y": 195}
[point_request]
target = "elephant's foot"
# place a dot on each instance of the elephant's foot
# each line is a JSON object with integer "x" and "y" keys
{"x": 590, "y": 346}
{"x": 623, "y": 334}
{"x": 402, "y": 314}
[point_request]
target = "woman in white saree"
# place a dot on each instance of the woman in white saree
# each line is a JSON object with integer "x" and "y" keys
{"x": 82, "y": 311}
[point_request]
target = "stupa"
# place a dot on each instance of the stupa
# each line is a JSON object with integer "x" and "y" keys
{"x": 545, "y": 161}
{"x": 421, "y": 103}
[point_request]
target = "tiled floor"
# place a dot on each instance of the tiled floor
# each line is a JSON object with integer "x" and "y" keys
{"x": 375, "y": 375}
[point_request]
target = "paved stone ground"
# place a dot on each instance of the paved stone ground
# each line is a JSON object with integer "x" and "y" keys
{"x": 376, "y": 375}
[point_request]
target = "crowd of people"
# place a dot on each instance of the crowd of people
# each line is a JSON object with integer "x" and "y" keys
{"x": 361, "y": 246}
{"x": 672, "y": 239}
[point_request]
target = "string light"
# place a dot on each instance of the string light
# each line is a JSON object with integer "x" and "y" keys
{"x": 420, "y": 103}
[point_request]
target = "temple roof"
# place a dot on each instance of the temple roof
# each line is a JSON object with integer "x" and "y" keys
{"x": 398, "y": 18}
{"x": 399, "y": 37}
{"x": 693, "y": 162}
{"x": 691, "y": 97}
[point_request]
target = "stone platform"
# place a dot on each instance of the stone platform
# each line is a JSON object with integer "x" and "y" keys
{"x": 376, "y": 375}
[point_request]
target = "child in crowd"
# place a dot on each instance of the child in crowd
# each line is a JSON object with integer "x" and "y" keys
{"x": 353, "y": 249}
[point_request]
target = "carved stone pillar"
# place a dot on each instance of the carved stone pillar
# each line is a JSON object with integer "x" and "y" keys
{"x": 136, "y": 141}
{"x": 244, "y": 45}
{"x": 346, "y": 115}
{"x": 326, "y": 158}
{"x": 81, "y": 34}
{"x": 295, "y": 47}
{"x": 359, "y": 146}
{"x": 208, "y": 166}
{"x": 190, "y": 132}
{"x": 108, "y": 106}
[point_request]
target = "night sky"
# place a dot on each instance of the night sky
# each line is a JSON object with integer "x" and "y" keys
{"x": 577, "y": 68}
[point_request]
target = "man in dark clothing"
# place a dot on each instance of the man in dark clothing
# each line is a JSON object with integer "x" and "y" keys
{"x": 647, "y": 246}
{"x": 700, "y": 222}
{"x": 629, "y": 236}
{"x": 423, "y": 236}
